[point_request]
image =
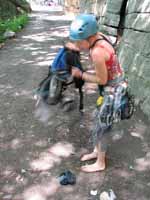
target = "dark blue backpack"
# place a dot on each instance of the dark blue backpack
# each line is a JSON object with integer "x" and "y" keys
{"x": 63, "y": 61}
{"x": 64, "y": 58}
{"x": 59, "y": 62}
{"x": 59, "y": 77}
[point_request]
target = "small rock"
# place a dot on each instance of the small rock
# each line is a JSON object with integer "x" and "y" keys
{"x": 49, "y": 140}
{"x": 131, "y": 167}
{"x": 118, "y": 136}
{"x": 112, "y": 195}
{"x": 1, "y": 45}
{"x": 9, "y": 34}
{"x": 104, "y": 196}
{"x": 135, "y": 134}
{"x": 108, "y": 195}
{"x": 23, "y": 171}
{"x": 93, "y": 192}
{"x": 148, "y": 184}
{"x": 82, "y": 126}
{"x": 19, "y": 179}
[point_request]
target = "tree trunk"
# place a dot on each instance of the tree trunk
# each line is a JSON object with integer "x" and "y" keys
{"x": 21, "y": 4}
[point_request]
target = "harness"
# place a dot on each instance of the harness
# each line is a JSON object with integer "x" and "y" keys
{"x": 115, "y": 102}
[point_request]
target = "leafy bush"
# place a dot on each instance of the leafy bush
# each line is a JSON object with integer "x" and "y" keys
{"x": 15, "y": 24}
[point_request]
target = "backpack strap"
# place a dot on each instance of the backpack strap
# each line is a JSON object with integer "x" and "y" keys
{"x": 103, "y": 38}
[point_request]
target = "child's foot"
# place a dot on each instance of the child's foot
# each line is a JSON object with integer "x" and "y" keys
{"x": 93, "y": 168}
{"x": 89, "y": 156}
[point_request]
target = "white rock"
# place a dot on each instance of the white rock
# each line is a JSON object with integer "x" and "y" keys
{"x": 112, "y": 195}
{"x": 104, "y": 196}
{"x": 23, "y": 171}
{"x": 9, "y": 34}
{"x": 108, "y": 195}
{"x": 93, "y": 192}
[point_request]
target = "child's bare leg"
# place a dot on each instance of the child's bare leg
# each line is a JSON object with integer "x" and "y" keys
{"x": 90, "y": 156}
{"x": 99, "y": 165}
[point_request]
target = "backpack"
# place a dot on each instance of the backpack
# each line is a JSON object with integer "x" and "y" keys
{"x": 127, "y": 105}
{"x": 59, "y": 77}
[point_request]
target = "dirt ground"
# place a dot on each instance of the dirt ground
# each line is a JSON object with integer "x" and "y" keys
{"x": 37, "y": 144}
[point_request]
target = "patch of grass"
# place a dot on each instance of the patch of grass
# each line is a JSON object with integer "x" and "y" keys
{"x": 15, "y": 24}
{"x": 1, "y": 39}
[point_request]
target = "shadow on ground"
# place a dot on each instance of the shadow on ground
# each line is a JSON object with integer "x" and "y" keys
{"x": 33, "y": 153}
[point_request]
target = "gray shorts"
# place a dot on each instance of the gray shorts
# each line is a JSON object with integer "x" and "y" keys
{"x": 104, "y": 115}
{"x": 100, "y": 132}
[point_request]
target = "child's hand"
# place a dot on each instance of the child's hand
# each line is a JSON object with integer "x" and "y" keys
{"x": 76, "y": 72}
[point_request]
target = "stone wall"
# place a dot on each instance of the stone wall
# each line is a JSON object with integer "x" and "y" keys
{"x": 92, "y": 6}
{"x": 134, "y": 50}
{"x": 128, "y": 21}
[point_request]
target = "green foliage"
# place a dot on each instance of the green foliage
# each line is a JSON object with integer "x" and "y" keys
{"x": 15, "y": 24}
{"x": 1, "y": 39}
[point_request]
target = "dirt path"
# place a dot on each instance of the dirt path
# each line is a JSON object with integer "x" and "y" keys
{"x": 34, "y": 153}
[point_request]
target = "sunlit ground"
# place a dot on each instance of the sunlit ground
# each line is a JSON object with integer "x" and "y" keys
{"x": 38, "y": 144}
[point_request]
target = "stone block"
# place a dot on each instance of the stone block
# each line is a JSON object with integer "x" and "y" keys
{"x": 143, "y": 64}
{"x": 111, "y": 19}
{"x": 108, "y": 30}
{"x": 114, "y": 6}
{"x": 137, "y": 6}
{"x": 145, "y": 106}
{"x": 92, "y": 6}
{"x": 137, "y": 87}
{"x": 125, "y": 55}
{"x": 140, "y": 41}
{"x": 133, "y": 61}
{"x": 138, "y": 21}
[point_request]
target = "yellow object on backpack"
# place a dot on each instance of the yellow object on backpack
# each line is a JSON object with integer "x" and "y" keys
{"x": 99, "y": 101}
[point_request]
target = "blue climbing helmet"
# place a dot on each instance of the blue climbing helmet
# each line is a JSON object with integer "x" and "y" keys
{"x": 83, "y": 26}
